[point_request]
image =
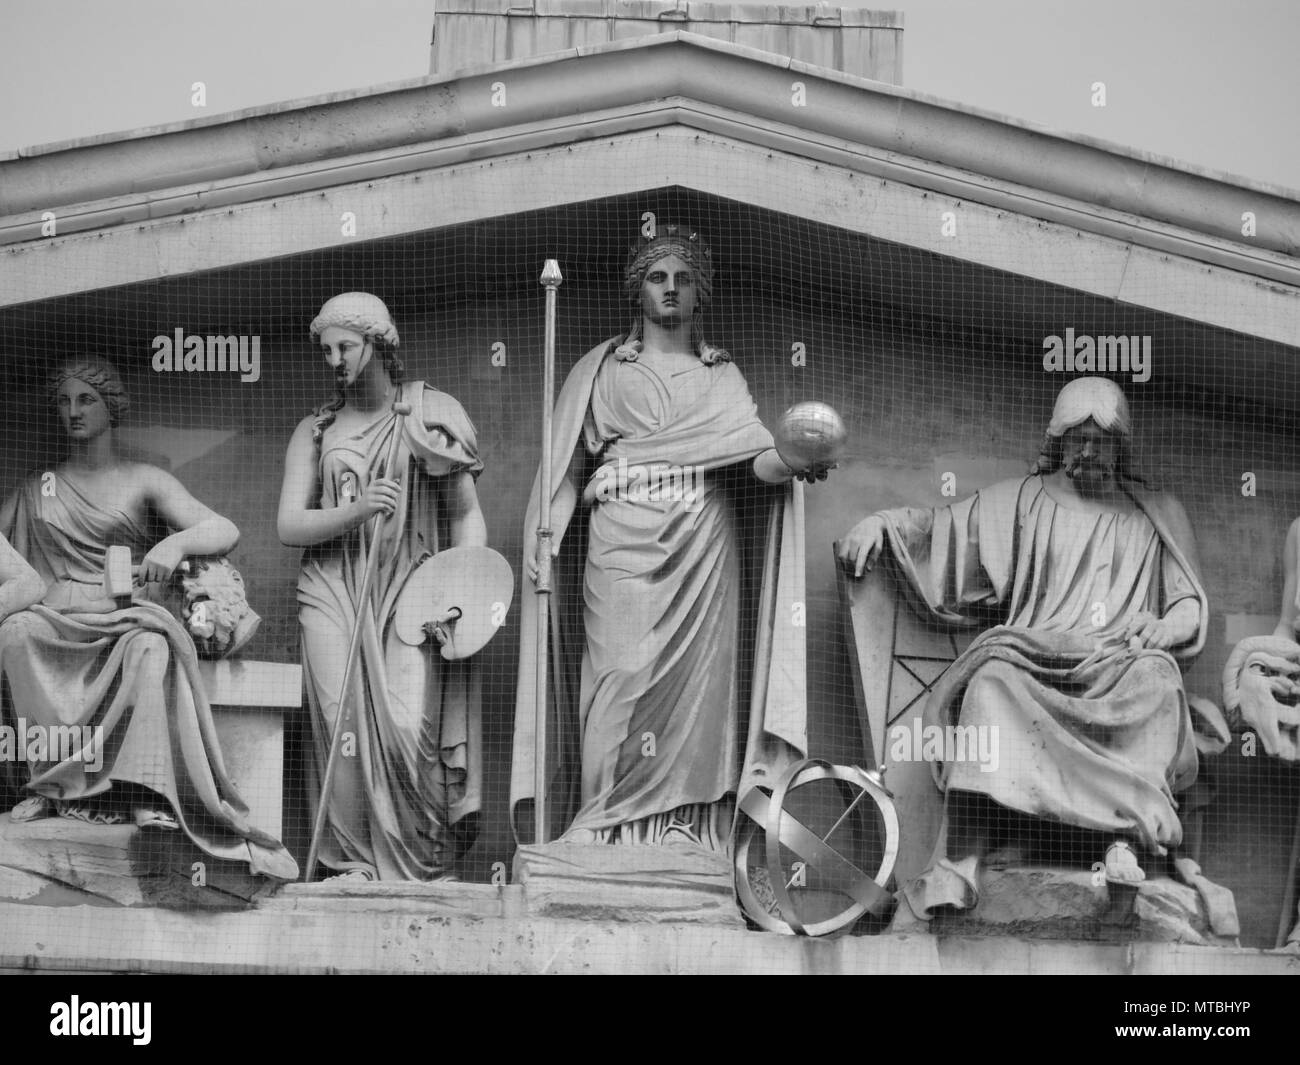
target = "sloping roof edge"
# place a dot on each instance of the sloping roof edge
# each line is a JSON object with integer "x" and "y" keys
{"x": 322, "y": 133}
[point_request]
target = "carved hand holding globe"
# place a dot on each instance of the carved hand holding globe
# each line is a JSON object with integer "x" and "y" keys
{"x": 1261, "y": 682}
{"x": 810, "y": 437}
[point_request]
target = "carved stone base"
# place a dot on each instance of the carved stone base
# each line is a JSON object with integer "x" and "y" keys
{"x": 57, "y": 861}
{"x": 679, "y": 884}
{"x": 1044, "y": 903}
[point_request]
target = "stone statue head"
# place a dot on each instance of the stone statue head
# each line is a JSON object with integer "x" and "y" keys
{"x": 1091, "y": 416}
{"x": 689, "y": 248}
{"x": 367, "y": 316}
{"x": 687, "y": 245}
{"x": 99, "y": 375}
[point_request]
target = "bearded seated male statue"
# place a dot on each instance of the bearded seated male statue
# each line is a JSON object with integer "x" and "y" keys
{"x": 1090, "y": 582}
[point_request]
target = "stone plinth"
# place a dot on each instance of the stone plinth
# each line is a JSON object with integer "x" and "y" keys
{"x": 1044, "y": 903}
{"x": 57, "y": 861}
{"x": 680, "y": 884}
{"x": 389, "y": 933}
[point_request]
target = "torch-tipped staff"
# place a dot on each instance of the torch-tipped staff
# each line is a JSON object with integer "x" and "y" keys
{"x": 400, "y": 410}
{"x": 551, "y": 280}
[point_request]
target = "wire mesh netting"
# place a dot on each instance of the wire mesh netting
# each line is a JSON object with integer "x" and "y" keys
{"x": 671, "y": 636}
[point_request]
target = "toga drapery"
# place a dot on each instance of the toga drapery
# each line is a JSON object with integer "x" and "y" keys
{"x": 677, "y": 658}
{"x": 1101, "y": 748}
{"x": 404, "y": 802}
{"x": 128, "y": 675}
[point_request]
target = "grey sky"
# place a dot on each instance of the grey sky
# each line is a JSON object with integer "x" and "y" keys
{"x": 1201, "y": 81}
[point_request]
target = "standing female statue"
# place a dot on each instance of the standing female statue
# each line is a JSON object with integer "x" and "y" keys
{"x": 405, "y": 793}
{"x": 677, "y": 678}
{"x": 125, "y": 676}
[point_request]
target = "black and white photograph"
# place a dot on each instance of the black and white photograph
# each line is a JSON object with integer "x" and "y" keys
{"x": 651, "y": 487}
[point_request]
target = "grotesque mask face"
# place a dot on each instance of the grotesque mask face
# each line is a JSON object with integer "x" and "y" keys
{"x": 1262, "y": 682}
{"x": 347, "y": 353}
{"x": 82, "y": 411}
{"x": 1090, "y": 454}
{"x": 669, "y": 294}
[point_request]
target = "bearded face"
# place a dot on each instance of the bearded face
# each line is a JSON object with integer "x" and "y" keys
{"x": 1261, "y": 682}
{"x": 1090, "y": 454}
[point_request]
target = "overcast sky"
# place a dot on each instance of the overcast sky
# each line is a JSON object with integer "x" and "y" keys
{"x": 1207, "y": 82}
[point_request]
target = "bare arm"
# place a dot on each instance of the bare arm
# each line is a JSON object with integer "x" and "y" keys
{"x": 20, "y": 585}
{"x": 1287, "y": 618}
{"x": 199, "y": 530}
{"x": 460, "y": 498}
{"x": 301, "y": 522}
{"x": 769, "y": 467}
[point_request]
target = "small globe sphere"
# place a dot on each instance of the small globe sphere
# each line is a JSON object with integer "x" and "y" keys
{"x": 810, "y": 434}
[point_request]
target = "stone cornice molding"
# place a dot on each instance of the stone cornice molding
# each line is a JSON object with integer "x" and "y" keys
{"x": 671, "y": 79}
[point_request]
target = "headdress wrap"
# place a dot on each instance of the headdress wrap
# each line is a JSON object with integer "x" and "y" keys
{"x": 688, "y": 246}
{"x": 103, "y": 378}
{"x": 671, "y": 240}
{"x": 359, "y": 311}
{"x": 1091, "y": 397}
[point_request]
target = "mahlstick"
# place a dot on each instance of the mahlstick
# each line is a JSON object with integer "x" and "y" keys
{"x": 400, "y": 410}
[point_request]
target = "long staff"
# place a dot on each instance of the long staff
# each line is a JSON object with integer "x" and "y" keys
{"x": 551, "y": 279}
{"x": 400, "y": 410}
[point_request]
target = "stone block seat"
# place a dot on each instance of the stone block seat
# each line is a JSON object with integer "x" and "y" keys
{"x": 56, "y": 861}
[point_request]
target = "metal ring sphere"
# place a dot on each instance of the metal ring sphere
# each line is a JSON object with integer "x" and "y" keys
{"x": 807, "y": 772}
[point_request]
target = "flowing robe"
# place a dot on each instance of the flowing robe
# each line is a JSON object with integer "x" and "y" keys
{"x": 1102, "y": 748}
{"x": 404, "y": 804}
{"x": 661, "y": 711}
{"x": 129, "y": 676}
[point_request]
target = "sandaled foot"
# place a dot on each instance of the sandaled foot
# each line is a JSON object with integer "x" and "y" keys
{"x": 32, "y": 809}
{"x": 1122, "y": 865}
{"x": 579, "y": 835}
{"x": 148, "y": 817}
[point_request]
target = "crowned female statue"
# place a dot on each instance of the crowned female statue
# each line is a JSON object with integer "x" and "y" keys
{"x": 403, "y": 803}
{"x": 123, "y": 676}
{"x": 678, "y": 671}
